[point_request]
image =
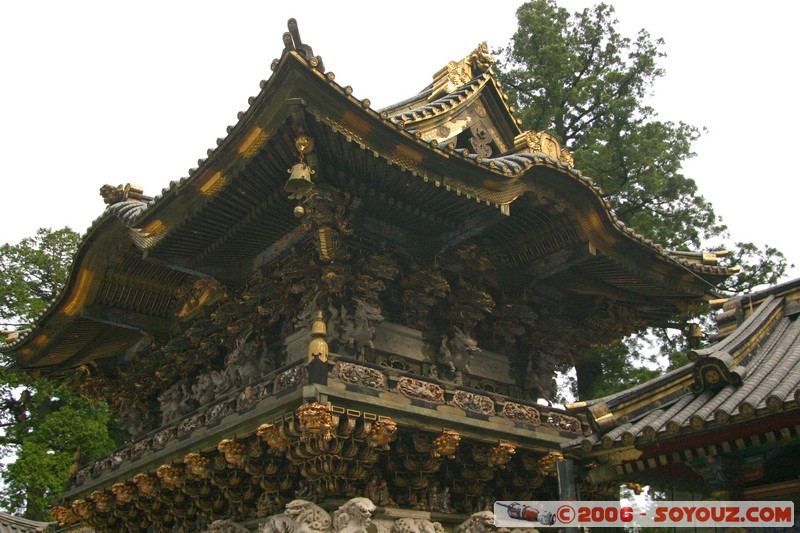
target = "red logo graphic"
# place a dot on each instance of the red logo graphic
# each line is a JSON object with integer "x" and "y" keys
{"x": 565, "y": 514}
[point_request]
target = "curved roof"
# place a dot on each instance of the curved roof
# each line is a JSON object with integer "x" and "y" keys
{"x": 752, "y": 375}
{"x": 15, "y": 524}
{"x": 407, "y": 163}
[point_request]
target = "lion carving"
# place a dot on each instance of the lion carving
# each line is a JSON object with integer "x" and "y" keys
{"x": 353, "y": 516}
{"x": 416, "y": 525}
{"x": 307, "y": 517}
{"x": 225, "y": 526}
{"x": 480, "y": 522}
{"x": 279, "y": 523}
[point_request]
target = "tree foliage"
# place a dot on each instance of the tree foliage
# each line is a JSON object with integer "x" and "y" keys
{"x": 576, "y": 76}
{"x": 32, "y": 272}
{"x": 43, "y": 427}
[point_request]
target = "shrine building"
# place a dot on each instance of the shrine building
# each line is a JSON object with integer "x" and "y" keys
{"x": 349, "y": 308}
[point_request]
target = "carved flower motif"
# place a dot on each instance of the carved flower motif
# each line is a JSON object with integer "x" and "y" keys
{"x": 522, "y": 413}
{"x": 290, "y": 378}
{"x": 564, "y": 422}
{"x": 473, "y": 402}
{"x": 359, "y": 375}
{"x": 423, "y": 390}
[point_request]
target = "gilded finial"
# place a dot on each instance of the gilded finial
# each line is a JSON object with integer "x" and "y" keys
{"x": 318, "y": 347}
{"x": 456, "y": 73}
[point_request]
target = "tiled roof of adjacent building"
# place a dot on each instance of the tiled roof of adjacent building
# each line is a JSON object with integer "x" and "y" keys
{"x": 752, "y": 373}
{"x": 14, "y": 524}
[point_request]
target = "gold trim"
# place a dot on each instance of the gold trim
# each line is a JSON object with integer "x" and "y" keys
{"x": 544, "y": 143}
{"x": 213, "y": 184}
{"x": 253, "y": 142}
{"x": 41, "y": 340}
{"x": 77, "y": 298}
{"x": 154, "y": 228}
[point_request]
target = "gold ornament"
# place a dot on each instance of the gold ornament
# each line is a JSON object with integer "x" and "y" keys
{"x": 235, "y": 452}
{"x": 318, "y": 347}
{"x": 196, "y": 465}
{"x": 123, "y": 493}
{"x": 63, "y": 515}
{"x": 146, "y": 484}
{"x": 501, "y": 454}
{"x": 315, "y": 420}
{"x": 82, "y": 508}
{"x": 272, "y": 435}
{"x": 446, "y": 444}
{"x": 547, "y": 464}
{"x": 102, "y": 501}
{"x": 169, "y": 475}
{"x": 383, "y": 432}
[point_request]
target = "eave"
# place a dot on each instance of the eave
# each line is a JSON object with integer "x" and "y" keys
{"x": 739, "y": 394}
{"x": 195, "y": 228}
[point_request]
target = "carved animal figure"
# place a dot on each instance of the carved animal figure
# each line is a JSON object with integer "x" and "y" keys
{"x": 204, "y": 389}
{"x": 457, "y": 351}
{"x": 279, "y": 523}
{"x": 480, "y": 522}
{"x": 353, "y": 516}
{"x": 173, "y": 403}
{"x": 133, "y": 420}
{"x": 242, "y": 367}
{"x": 307, "y": 517}
{"x": 225, "y": 526}
{"x": 416, "y": 525}
{"x": 359, "y": 332}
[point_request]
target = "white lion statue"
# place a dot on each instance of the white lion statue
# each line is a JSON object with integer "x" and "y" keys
{"x": 353, "y": 516}
{"x": 416, "y": 525}
{"x": 279, "y": 523}
{"x": 225, "y": 526}
{"x": 480, "y": 522}
{"x": 308, "y": 517}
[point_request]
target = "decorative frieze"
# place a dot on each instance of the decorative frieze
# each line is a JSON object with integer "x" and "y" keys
{"x": 251, "y": 395}
{"x": 359, "y": 375}
{"x": 421, "y": 390}
{"x": 522, "y": 413}
{"x": 476, "y": 403}
{"x": 290, "y": 378}
{"x": 188, "y": 425}
{"x": 139, "y": 447}
{"x": 219, "y": 411}
{"x": 563, "y": 422}
{"x": 161, "y": 438}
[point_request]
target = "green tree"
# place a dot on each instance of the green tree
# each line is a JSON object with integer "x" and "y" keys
{"x": 576, "y": 76}
{"x": 43, "y": 427}
{"x": 32, "y": 272}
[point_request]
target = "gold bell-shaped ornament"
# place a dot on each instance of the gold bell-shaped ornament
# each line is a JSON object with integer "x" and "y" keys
{"x": 318, "y": 347}
{"x": 299, "y": 182}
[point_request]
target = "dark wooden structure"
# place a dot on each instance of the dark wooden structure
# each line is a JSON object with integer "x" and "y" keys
{"x": 338, "y": 291}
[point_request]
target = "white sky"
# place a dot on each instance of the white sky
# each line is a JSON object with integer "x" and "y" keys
{"x": 106, "y": 92}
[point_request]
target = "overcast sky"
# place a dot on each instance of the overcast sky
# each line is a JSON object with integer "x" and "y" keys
{"x": 106, "y": 92}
